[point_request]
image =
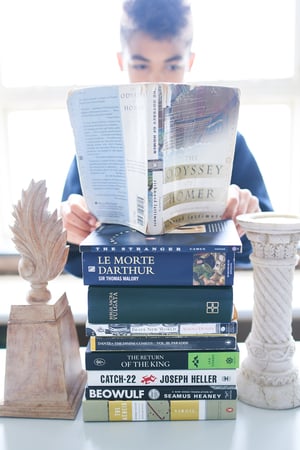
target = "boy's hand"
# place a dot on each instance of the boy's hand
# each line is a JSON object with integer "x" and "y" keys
{"x": 240, "y": 201}
{"x": 77, "y": 220}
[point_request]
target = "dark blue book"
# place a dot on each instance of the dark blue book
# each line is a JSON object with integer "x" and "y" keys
{"x": 192, "y": 256}
{"x": 163, "y": 343}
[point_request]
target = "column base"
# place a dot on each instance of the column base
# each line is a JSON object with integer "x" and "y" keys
{"x": 269, "y": 391}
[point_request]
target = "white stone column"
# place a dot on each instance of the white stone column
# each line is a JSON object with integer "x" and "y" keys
{"x": 268, "y": 376}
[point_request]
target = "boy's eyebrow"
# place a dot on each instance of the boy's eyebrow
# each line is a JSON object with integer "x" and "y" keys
{"x": 139, "y": 58}
{"x": 142, "y": 58}
{"x": 174, "y": 58}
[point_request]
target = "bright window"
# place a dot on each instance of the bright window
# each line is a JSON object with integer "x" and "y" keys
{"x": 47, "y": 47}
{"x": 244, "y": 39}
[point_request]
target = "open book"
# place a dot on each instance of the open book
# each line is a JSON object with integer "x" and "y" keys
{"x": 155, "y": 156}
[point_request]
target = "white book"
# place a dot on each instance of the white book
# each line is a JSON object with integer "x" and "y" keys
{"x": 161, "y": 377}
{"x": 155, "y": 156}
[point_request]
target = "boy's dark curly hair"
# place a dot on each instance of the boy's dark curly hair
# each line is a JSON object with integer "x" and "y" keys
{"x": 160, "y": 19}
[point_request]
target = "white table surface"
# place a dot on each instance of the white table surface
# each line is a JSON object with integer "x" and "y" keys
{"x": 254, "y": 429}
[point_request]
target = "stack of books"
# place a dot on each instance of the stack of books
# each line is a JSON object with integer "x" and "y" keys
{"x": 154, "y": 157}
{"x": 162, "y": 324}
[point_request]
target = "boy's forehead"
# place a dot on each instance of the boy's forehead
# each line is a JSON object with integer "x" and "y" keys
{"x": 144, "y": 47}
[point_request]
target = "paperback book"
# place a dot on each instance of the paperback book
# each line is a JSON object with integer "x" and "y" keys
{"x": 160, "y": 329}
{"x": 226, "y": 392}
{"x": 154, "y": 156}
{"x": 164, "y": 343}
{"x": 161, "y": 377}
{"x": 125, "y": 304}
{"x": 152, "y": 410}
{"x": 202, "y": 255}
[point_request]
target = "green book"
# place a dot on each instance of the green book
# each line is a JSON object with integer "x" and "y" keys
{"x": 159, "y": 304}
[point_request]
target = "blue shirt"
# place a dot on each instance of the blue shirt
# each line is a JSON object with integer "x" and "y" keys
{"x": 245, "y": 174}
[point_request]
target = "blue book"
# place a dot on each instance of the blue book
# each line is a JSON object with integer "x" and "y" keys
{"x": 192, "y": 256}
{"x": 164, "y": 343}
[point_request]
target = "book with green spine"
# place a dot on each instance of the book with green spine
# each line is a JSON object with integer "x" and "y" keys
{"x": 159, "y": 359}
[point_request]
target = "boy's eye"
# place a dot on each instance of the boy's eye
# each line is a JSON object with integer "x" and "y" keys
{"x": 174, "y": 67}
{"x": 139, "y": 66}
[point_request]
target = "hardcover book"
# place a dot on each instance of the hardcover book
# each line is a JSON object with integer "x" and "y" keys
{"x": 141, "y": 360}
{"x": 201, "y": 255}
{"x": 154, "y": 156}
{"x": 125, "y": 304}
{"x": 152, "y": 410}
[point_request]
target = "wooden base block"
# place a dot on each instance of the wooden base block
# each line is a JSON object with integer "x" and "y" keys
{"x": 48, "y": 410}
{"x": 44, "y": 376}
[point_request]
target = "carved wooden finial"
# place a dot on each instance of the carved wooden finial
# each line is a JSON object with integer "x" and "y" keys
{"x": 40, "y": 239}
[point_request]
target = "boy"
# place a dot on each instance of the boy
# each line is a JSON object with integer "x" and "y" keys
{"x": 156, "y": 38}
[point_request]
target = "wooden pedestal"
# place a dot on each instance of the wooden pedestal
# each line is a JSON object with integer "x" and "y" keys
{"x": 44, "y": 376}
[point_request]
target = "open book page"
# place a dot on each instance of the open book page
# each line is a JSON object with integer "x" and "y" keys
{"x": 105, "y": 122}
{"x": 154, "y": 156}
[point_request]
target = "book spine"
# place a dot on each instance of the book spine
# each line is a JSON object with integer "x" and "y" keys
{"x": 120, "y": 304}
{"x": 162, "y": 393}
{"x": 159, "y": 329}
{"x": 160, "y": 377}
{"x": 156, "y": 410}
{"x": 155, "y": 165}
{"x": 175, "y": 267}
{"x": 164, "y": 343}
{"x": 161, "y": 360}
